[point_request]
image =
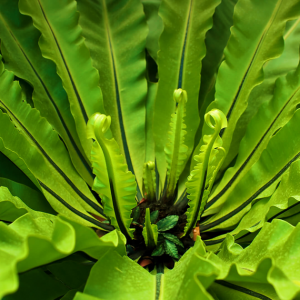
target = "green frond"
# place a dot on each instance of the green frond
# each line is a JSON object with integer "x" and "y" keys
{"x": 196, "y": 184}
{"x": 175, "y": 149}
{"x": 113, "y": 182}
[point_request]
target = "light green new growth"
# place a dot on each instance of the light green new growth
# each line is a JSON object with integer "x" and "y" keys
{"x": 149, "y": 180}
{"x": 175, "y": 149}
{"x": 113, "y": 182}
{"x": 150, "y": 231}
{"x": 201, "y": 173}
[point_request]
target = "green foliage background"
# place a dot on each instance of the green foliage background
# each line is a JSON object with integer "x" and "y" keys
{"x": 89, "y": 129}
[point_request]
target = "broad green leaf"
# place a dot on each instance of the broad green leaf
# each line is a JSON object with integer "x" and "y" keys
{"x": 175, "y": 149}
{"x": 149, "y": 180}
{"x": 46, "y": 177}
{"x": 35, "y": 285}
{"x": 273, "y": 69}
{"x": 274, "y": 161}
{"x": 167, "y": 223}
{"x": 197, "y": 179}
{"x": 22, "y": 243}
{"x": 150, "y": 231}
{"x": 190, "y": 278}
{"x": 215, "y": 41}
{"x": 113, "y": 182}
{"x": 12, "y": 207}
{"x": 182, "y": 48}
{"x": 20, "y": 49}
{"x": 40, "y": 136}
{"x": 266, "y": 267}
{"x": 271, "y": 116}
{"x": 21, "y": 186}
{"x": 31, "y": 197}
{"x": 115, "y": 33}
{"x": 284, "y": 200}
{"x": 62, "y": 42}
{"x": 252, "y": 43}
{"x": 61, "y": 278}
{"x": 81, "y": 296}
{"x": 155, "y": 26}
{"x": 119, "y": 278}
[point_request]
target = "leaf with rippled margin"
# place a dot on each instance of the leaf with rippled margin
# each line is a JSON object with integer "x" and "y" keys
{"x": 182, "y": 48}
{"x": 115, "y": 32}
{"x": 175, "y": 149}
{"x": 113, "y": 182}
{"x": 251, "y": 44}
{"x": 271, "y": 116}
{"x": 20, "y": 37}
{"x": 71, "y": 56}
{"x": 273, "y": 163}
{"x": 196, "y": 184}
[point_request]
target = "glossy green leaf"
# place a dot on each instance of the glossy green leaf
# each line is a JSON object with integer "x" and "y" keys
{"x": 191, "y": 276}
{"x": 285, "y": 63}
{"x": 175, "y": 149}
{"x": 150, "y": 231}
{"x": 271, "y": 116}
{"x": 71, "y": 56}
{"x": 23, "y": 240}
{"x": 215, "y": 41}
{"x": 113, "y": 182}
{"x": 155, "y": 26}
{"x": 266, "y": 267}
{"x": 115, "y": 33}
{"x": 61, "y": 196}
{"x": 167, "y": 223}
{"x": 283, "y": 201}
{"x": 274, "y": 161}
{"x": 108, "y": 279}
{"x": 253, "y": 41}
{"x": 19, "y": 46}
{"x": 182, "y": 48}
{"x": 197, "y": 179}
{"x": 40, "y": 136}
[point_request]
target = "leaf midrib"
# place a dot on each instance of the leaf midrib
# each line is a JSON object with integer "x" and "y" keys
{"x": 247, "y": 202}
{"x": 55, "y": 166}
{"x": 117, "y": 92}
{"x": 232, "y": 180}
{"x": 254, "y": 57}
{"x": 82, "y": 108}
{"x": 83, "y": 160}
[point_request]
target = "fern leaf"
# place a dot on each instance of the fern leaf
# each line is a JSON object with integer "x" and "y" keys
{"x": 113, "y": 182}
{"x": 175, "y": 149}
{"x": 201, "y": 173}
